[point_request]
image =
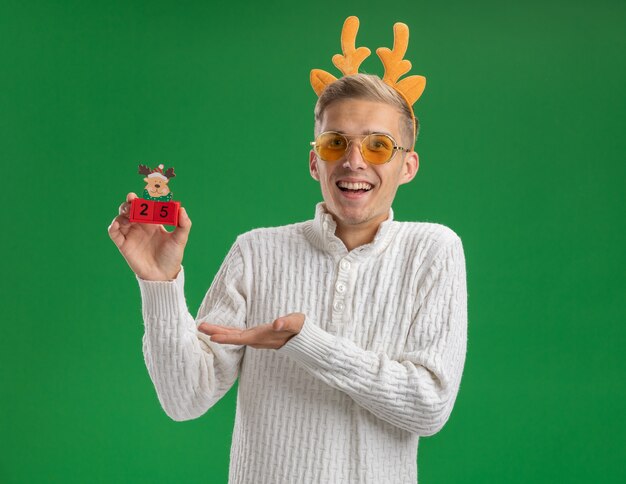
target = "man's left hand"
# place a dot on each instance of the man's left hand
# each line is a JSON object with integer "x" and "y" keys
{"x": 265, "y": 336}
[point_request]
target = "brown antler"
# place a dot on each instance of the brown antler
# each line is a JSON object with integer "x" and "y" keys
{"x": 144, "y": 170}
{"x": 169, "y": 173}
{"x": 348, "y": 63}
{"x": 395, "y": 65}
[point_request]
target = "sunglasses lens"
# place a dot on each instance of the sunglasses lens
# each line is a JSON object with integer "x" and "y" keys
{"x": 331, "y": 146}
{"x": 377, "y": 148}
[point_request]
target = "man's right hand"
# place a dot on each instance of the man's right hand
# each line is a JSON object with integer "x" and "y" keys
{"x": 153, "y": 253}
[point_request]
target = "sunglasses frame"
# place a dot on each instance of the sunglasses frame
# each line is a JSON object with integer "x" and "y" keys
{"x": 349, "y": 138}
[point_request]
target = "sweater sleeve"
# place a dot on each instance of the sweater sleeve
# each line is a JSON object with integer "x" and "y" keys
{"x": 416, "y": 391}
{"x": 190, "y": 373}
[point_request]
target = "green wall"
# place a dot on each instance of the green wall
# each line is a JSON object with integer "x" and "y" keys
{"x": 522, "y": 154}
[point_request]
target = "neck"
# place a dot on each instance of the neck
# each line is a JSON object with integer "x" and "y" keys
{"x": 354, "y": 236}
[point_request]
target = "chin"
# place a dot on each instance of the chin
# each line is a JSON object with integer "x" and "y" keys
{"x": 352, "y": 216}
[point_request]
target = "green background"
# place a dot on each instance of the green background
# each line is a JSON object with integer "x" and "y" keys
{"x": 522, "y": 154}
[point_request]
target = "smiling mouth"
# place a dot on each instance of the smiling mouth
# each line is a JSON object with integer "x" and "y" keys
{"x": 360, "y": 187}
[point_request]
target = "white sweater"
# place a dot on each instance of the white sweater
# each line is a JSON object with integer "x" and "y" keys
{"x": 377, "y": 364}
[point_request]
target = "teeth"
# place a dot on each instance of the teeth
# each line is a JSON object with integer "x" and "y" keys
{"x": 354, "y": 186}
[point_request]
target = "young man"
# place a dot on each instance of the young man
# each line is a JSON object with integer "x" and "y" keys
{"x": 347, "y": 332}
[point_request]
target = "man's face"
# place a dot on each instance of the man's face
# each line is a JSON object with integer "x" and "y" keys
{"x": 361, "y": 207}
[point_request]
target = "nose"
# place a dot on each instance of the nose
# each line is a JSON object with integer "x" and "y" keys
{"x": 157, "y": 185}
{"x": 354, "y": 158}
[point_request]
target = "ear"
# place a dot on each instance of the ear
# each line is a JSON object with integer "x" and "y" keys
{"x": 166, "y": 181}
{"x": 146, "y": 179}
{"x": 410, "y": 165}
{"x": 313, "y": 161}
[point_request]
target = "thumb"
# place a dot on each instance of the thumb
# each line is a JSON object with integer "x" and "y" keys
{"x": 292, "y": 323}
{"x": 279, "y": 324}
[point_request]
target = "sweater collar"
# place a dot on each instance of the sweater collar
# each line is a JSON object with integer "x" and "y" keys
{"x": 321, "y": 232}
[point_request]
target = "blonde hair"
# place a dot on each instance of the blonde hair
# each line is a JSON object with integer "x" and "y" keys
{"x": 371, "y": 88}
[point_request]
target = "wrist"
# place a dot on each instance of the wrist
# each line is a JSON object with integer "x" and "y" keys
{"x": 158, "y": 276}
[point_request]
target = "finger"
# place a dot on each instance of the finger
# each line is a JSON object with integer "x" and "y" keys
{"x": 211, "y": 329}
{"x": 124, "y": 208}
{"x": 228, "y": 339}
{"x": 115, "y": 232}
{"x": 259, "y": 338}
{"x": 181, "y": 232}
{"x": 123, "y": 221}
{"x": 219, "y": 328}
{"x": 252, "y": 336}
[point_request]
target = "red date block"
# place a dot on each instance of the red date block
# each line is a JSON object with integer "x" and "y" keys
{"x": 151, "y": 212}
{"x": 142, "y": 211}
{"x": 166, "y": 213}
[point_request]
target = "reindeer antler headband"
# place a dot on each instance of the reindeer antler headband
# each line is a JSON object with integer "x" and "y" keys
{"x": 410, "y": 88}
